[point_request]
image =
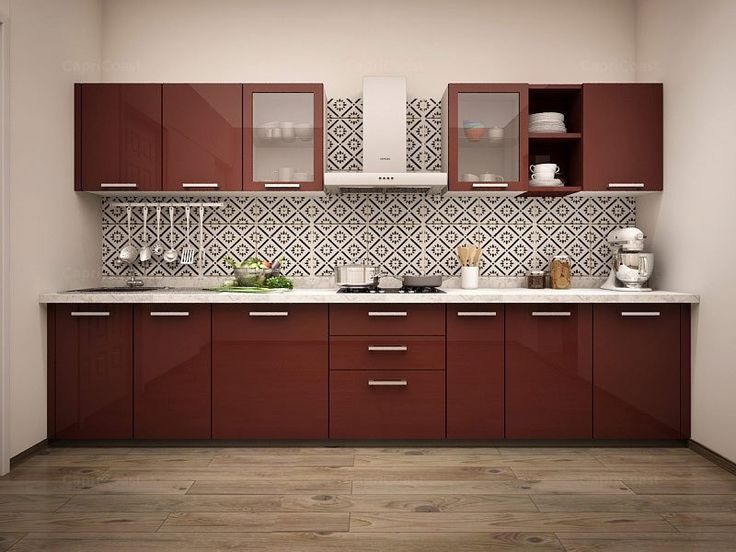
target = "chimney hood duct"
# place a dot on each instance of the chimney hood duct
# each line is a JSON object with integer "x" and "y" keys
{"x": 384, "y": 146}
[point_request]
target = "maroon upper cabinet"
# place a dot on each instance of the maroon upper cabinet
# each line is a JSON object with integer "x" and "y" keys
{"x": 203, "y": 137}
{"x": 485, "y": 146}
{"x": 172, "y": 371}
{"x": 118, "y": 137}
{"x": 636, "y": 367}
{"x": 94, "y": 372}
{"x": 549, "y": 390}
{"x": 475, "y": 372}
{"x": 622, "y": 137}
{"x": 284, "y": 137}
{"x": 269, "y": 371}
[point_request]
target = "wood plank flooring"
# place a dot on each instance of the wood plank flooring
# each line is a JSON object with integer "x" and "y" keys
{"x": 367, "y": 500}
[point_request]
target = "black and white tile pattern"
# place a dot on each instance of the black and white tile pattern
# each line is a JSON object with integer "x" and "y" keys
{"x": 404, "y": 233}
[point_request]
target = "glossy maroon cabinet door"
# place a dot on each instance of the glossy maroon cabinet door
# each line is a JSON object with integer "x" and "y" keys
{"x": 475, "y": 371}
{"x": 269, "y": 372}
{"x": 203, "y": 137}
{"x": 172, "y": 371}
{"x": 94, "y": 372}
{"x": 549, "y": 390}
{"x": 387, "y": 404}
{"x": 622, "y": 137}
{"x": 636, "y": 368}
{"x": 119, "y": 142}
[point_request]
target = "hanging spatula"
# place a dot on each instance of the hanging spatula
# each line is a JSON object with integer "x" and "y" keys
{"x": 188, "y": 253}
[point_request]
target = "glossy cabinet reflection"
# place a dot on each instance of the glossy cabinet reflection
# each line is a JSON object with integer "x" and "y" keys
{"x": 203, "y": 137}
{"x": 284, "y": 140}
{"x": 94, "y": 371}
{"x": 622, "y": 137}
{"x": 118, "y": 137}
{"x": 475, "y": 371}
{"x": 637, "y": 371}
{"x": 269, "y": 371}
{"x": 549, "y": 372}
{"x": 172, "y": 371}
{"x": 486, "y": 144}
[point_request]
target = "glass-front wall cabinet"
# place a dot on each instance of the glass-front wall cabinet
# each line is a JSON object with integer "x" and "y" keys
{"x": 487, "y": 146}
{"x": 284, "y": 137}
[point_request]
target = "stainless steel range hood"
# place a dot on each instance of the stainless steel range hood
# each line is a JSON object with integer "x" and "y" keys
{"x": 384, "y": 146}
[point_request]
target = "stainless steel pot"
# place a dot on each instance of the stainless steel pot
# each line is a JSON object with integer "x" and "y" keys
{"x": 422, "y": 281}
{"x": 357, "y": 275}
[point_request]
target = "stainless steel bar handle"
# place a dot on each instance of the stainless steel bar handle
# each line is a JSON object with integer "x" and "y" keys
{"x": 640, "y": 313}
{"x": 387, "y": 313}
{"x": 169, "y": 313}
{"x": 90, "y": 313}
{"x": 476, "y": 313}
{"x": 551, "y": 313}
{"x": 272, "y": 185}
{"x": 200, "y": 185}
{"x": 490, "y": 184}
{"x": 268, "y": 313}
{"x": 387, "y": 383}
{"x": 118, "y": 185}
{"x": 388, "y": 348}
{"x": 625, "y": 185}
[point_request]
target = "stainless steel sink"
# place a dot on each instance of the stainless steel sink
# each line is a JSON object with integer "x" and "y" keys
{"x": 115, "y": 289}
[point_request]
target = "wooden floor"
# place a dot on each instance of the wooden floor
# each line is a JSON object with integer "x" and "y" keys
{"x": 367, "y": 499}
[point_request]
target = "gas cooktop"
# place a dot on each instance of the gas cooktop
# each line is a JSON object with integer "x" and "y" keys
{"x": 405, "y": 289}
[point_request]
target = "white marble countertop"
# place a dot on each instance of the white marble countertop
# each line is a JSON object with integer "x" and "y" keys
{"x": 329, "y": 295}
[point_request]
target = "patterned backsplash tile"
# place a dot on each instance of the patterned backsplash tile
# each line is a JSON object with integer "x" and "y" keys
{"x": 403, "y": 233}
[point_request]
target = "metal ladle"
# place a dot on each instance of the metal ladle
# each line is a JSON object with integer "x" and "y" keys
{"x": 158, "y": 248}
{"x": 145, "y": 253}
{"x": 171, "y": 254}
{"x": 129, "y": 253}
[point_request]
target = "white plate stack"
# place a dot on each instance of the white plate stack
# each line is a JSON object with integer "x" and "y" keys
{"x": 547, "y": 121}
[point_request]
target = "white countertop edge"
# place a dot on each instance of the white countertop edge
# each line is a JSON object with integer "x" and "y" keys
{"x": 515, "y": 295}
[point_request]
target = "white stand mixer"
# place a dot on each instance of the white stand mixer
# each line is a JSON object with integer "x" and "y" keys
{"x": 631, "y": 268}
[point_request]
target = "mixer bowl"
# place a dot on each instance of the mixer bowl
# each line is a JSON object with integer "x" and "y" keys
{"x": 633, "y": 269}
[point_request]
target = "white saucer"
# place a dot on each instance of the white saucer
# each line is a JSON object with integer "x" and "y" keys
{"x": 545, "y": 183}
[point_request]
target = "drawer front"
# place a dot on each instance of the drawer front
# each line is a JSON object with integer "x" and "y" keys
{"x": 387, "y": 320}
{"x": 271, "y": 322}
{"x": 473, "y": 322}
{"x": 387, "y": 353}
{"x": 387, "y": 404}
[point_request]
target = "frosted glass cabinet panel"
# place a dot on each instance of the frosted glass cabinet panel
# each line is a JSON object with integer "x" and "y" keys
{"x": 487, "y": 145}
{"x": 284, "y": 137}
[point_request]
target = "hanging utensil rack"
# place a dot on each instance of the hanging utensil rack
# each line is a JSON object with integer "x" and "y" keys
{"x": 154, "y": 204}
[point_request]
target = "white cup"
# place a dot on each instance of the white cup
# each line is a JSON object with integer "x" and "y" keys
{"x": 543, "y": 176}
{"x": 268, "y": 130}
{"x": 287, "y": 130}
{"x": 469, "y": 277}
{"x": 490, "y": 177}
{"x": 545, "y": 168}
{"x": 469, "y": 177}
{"x": 285, "y": 174}
{"x": 495, "y": 133}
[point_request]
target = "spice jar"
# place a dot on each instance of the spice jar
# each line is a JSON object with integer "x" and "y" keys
{"x": 535, "y": 279}
{"x": 560, "y": 272}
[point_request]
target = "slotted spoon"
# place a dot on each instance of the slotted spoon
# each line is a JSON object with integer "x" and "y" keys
{"x": 188, "y": 253}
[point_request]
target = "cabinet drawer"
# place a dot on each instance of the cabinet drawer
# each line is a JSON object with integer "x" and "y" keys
{"x": 387, "y": 353}
{"x": 271, "y": 322}
{"x": 387, "y": 320}
{"x": 387, "y": 404}
{"x": 471, "y": 322}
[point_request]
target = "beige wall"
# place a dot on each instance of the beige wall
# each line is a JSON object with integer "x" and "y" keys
{"x": 431, "y": 42}
{"x": 53, "y": 232}
{"x": 689, "y": 45}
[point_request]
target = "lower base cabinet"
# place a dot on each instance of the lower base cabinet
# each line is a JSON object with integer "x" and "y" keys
{"x": 387, "y": 404}
{"x": 93, "y": 354}
{"x": 475, "y": 374}
{"x": 172, "y": 372}
{"x": 269, "y": 372}
{"x": 637, "y": 369}
{"x": 549, "y": 372}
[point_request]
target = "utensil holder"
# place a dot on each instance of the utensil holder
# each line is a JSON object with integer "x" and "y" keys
{"x": 469, "y": 277}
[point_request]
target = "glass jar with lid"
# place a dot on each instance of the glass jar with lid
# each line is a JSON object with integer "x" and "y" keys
{"x": 560, "y": 272}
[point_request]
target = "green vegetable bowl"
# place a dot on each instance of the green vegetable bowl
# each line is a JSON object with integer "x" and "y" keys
{"x": 250, "y": 277}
